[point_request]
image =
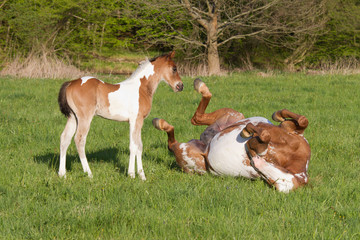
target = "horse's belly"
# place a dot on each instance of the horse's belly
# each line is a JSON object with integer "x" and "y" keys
{"x": 227, "y": 155}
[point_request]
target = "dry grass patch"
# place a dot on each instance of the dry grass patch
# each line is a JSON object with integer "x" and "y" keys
{"x": 43, "y": 65}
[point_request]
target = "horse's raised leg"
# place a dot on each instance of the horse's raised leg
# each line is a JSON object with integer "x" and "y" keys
{"x": 65, "y": 141}
{"x": 290, "y": 121}
{"x": 189, "y": 156}
{"x": 80, "y": 141}
{"x": 202, "y": 118}
{"x": 136, "y": 148}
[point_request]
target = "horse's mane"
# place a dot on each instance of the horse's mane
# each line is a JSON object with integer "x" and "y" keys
{"x": 154, "y": 58}
{"x": 142, "y": 66}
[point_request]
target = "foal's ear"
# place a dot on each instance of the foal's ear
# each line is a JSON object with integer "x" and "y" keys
{"x": 171, "y": 54}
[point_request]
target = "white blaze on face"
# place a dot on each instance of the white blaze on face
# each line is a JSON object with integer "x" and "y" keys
{"x": 124, "y": 103}
{"x": 84, "y": 79}
{"x": 283, "y": 181}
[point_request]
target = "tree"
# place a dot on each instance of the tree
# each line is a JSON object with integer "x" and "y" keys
{"x": 341, "y": 40}
{"x": 292, "y": 24}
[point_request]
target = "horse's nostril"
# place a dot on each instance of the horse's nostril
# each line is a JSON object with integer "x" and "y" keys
{"x": 179, "y": 87}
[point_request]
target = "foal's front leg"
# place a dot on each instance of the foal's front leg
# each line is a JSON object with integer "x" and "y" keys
{"x": 136, "y": 149}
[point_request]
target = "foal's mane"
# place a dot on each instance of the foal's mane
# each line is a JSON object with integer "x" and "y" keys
{"x": 162, "y": 55}
{"x": 143, "y": 64}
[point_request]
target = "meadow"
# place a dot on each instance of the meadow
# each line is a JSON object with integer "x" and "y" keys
{"x": 36, "y": 204}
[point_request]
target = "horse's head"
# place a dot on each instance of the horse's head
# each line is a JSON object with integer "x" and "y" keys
{"x": 283, "y": 145}
{"x": 165, "y": 67}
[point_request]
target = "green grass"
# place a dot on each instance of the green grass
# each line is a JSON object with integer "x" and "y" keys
{"x": 36, "y": 204}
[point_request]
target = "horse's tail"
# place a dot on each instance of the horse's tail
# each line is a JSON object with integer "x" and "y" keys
{"x": 63, "y": 104}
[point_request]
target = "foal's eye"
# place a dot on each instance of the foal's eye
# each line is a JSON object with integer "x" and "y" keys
{"x": 174, "y": 69}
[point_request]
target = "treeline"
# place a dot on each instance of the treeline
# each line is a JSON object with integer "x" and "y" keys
{"x": 237, "y": 34}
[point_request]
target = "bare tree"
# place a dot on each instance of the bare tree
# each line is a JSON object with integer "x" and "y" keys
{"x": 293, "y": 24}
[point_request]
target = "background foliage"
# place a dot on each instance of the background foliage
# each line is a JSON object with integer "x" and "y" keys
{"x": 80, "y": 29}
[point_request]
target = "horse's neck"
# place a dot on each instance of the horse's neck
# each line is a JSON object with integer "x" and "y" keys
{"x": 145, "y": 77}
{"x": 150, "y": 84}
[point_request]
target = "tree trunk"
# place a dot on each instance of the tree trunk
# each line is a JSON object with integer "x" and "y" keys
{"x": 212, "y": 47}
{"x": 213, "y": 59}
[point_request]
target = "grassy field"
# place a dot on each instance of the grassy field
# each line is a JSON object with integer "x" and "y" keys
{"x": 36, "y": 204}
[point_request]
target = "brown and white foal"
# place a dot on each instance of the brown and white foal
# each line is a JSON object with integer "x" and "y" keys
{"x": 80, "y": 100}
{"x": 249, "y": 147}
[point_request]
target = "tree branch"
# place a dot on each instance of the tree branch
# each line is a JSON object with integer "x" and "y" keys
{"x": 241, "y": 36}
{"x": 3, "y": 3}
{"x": 194, "y": 13}
{"x": 238, "y": 16}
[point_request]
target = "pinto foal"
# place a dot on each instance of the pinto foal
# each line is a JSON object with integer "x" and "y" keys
{"x": 249, "y": 147}
{"x": 80, "y": 100}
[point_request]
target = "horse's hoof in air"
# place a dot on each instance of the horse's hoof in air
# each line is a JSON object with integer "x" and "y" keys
{"x": 197, "y": 84}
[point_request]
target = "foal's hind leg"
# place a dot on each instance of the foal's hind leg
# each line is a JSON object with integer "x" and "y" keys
{"x": 65, "y": 141}
{"x": 80, "y": 141}
{"x": 189, "y": 156}
{"x": 202, "y": 118}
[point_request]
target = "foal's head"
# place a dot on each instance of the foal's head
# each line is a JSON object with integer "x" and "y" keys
{"x": 166, "y": 68}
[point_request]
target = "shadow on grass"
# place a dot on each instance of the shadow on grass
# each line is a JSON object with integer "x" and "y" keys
{"x": 105, "y": 155}
{"x": 158, "y": 160}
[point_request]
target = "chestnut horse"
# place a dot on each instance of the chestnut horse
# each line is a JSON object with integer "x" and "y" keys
{"x": 80, "y": 100}
{"x": 249, "y": 147}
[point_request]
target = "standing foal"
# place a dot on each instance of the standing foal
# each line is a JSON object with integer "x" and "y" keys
{"x": 80, "y": 100}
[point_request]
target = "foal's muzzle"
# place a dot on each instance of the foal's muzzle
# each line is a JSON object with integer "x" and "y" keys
{"x": 179, "y": 87}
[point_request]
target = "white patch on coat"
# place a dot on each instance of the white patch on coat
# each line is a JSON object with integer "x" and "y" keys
{"x": 190, "y": 162}
{"x": 124, "y": 103}
{"x": 284, "y": 181}
{"x": 227, "y": 155}
{"x": 84, "y": 79}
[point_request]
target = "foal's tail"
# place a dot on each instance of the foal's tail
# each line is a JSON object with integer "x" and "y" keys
{"x": 63, "y": 104}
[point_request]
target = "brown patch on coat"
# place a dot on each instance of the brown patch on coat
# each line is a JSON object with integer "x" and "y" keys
{"x": 103, "y": 91}
{"x": 146, "y": 91}
{"x": 194, "y": 151}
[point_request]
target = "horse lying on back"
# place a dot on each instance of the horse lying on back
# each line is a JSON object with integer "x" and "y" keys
{"x": 130, "y": 101}
{"x": 249, "y": 147}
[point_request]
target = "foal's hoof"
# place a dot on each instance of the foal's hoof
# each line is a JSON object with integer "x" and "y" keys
{"x": 142, "y": 175}
{"x": 62, "y": 174}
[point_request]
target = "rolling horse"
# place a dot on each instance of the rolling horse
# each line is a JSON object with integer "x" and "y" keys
{"x": 236, "y": 146}
{"x": 80, "y": 100}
